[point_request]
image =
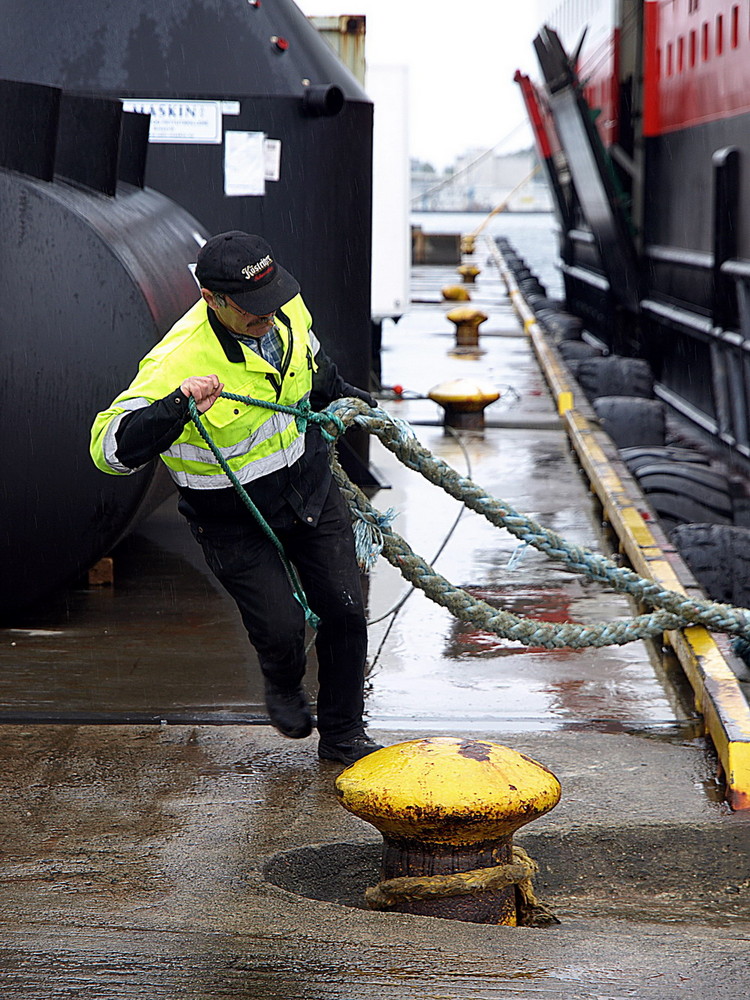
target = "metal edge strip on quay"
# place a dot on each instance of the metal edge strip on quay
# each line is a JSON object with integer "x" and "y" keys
{"x": 717, "y": 693}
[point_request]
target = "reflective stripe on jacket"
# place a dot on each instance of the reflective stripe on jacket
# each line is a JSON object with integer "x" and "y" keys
{"x": 254, "y": 441}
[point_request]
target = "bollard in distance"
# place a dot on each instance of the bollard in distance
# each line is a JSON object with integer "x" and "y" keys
{"x": 455, "y": 293}
{"x": 468, "y": 273}
{"x": 464, "y": 401}
{"x": 467, "y": 321}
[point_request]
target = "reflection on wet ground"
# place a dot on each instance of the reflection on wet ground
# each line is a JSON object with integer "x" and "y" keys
{"x": 432, "y": 667}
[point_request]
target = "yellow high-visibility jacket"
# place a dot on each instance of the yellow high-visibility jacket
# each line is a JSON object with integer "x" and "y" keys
{"x": 254, "y": 441}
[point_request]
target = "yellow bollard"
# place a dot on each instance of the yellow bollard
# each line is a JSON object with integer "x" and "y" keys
{"x": 468, "y": 244}
{"x": 467, "y": 321}
{"x": 455, "y": 293}
{"x": 447, "y": 809}
{"x": 468, "y": 273}
{"x": 464, "y": 401}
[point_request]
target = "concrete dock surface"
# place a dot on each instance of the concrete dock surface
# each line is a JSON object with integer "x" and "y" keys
{"x": 160, "y": 840}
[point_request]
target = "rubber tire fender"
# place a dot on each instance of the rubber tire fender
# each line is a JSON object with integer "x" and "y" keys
{"x": 682, "y": 493}
{"x": 532, "y": 285}
{"x": 637, "y": 458}
{"x": 563, "y": 326}
{"x": 578, "y": 350}
{"x": 718, "y": 556}
{"x": 616, "y": 376}
{"x": 539, "y": 302}
{"x": 632, "y": 420}
{"x": 672, "y": 510}
{"x": 686, "y": 478}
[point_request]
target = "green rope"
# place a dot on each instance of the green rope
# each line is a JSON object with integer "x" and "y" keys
{"x": 299, "y": 593}
{"x": 677, "y": 610}
{"x": 302, "y": 412}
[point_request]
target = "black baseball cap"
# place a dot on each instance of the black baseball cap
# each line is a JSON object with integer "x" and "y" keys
{"x": 243, "y": 266}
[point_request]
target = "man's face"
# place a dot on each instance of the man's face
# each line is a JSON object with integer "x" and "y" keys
{"x": 236, "y": 320}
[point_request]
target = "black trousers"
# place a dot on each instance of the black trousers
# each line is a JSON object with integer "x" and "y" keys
{"x": 249, "y": 566}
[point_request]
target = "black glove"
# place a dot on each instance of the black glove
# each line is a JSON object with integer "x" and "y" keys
{"x": 352, "y": 390}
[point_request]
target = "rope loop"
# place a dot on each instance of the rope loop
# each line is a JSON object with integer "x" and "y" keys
{"x": 675, "y": 610}
{"x": 324, "y": 416}
{"x": 390, "y": 893}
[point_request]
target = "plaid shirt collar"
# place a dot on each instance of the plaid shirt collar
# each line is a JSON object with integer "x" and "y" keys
{"x": 269, "y": 347}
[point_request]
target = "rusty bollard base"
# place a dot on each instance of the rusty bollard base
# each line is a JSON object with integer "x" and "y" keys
{"x": 447, "y": 809}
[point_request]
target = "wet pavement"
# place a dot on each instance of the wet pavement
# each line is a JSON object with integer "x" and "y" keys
{"x": 136, "y": 863}
{"x": 204, "y": 856}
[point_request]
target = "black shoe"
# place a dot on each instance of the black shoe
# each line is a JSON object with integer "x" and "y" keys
{"x": 289, "y": 711}
{"x": 348, "y": 751}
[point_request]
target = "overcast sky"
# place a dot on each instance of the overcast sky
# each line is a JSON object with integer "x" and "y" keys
{"x": 461, "y": 57}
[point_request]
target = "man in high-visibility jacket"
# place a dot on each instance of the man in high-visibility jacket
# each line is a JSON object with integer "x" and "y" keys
{"x": 252, "y": 332}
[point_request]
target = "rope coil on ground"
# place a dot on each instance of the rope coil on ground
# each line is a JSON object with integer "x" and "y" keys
{"x": 530, "y": 911}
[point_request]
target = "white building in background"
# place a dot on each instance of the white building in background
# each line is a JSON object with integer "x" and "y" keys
{"x": 388, "y": 88}
{"x": 391, "y": 239}
{"x": 480, "y": 180}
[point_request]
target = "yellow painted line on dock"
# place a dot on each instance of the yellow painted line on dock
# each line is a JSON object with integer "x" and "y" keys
{"x": 717, "y": 693}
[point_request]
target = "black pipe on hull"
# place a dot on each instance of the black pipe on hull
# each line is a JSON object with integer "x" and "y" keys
{"x": 87, "y": 284}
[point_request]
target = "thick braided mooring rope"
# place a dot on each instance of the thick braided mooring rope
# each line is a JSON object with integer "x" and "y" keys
{"x": 677, "y": 610}
{"x": 466, "y": 607}
{"x": 681, "y": 610}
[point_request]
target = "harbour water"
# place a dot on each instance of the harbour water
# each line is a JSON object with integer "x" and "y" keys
{"x": 533, "y": 234}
